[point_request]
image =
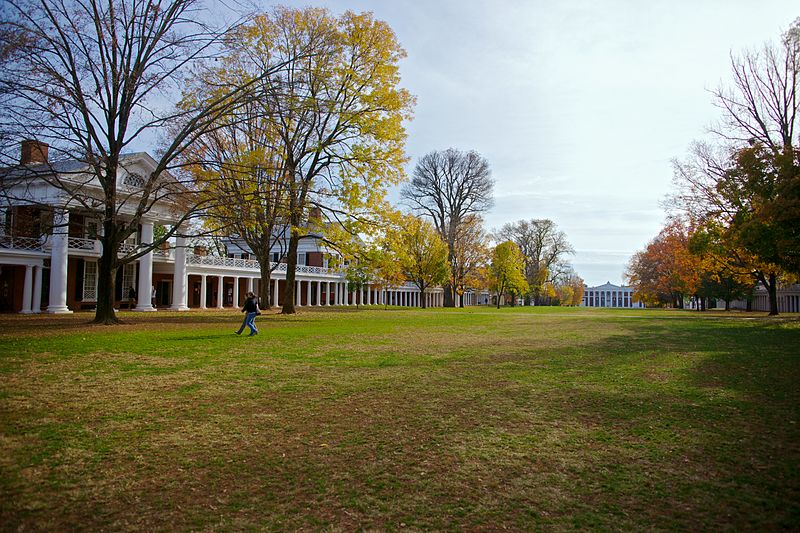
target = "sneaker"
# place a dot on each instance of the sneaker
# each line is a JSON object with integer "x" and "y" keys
{"x": 237, "y": 332}
{"x": 253, "y": 334}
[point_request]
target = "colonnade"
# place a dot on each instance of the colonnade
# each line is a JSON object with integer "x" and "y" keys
{"x": 609, "y": 298}
{"x": 307, "y": 292}
{"x": 314, "y": 293}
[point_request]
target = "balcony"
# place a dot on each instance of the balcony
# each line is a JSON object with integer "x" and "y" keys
{"x": 33, "y": 244}
{"x": 252, "y": 264}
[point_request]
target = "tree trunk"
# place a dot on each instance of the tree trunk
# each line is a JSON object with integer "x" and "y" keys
{"x": 448, "y": 296}
{"x": 264, "y": 286}
{"x": 727, "y": 304}
{"x": 106, "y": 278}
{"x": 291, "y": 265}
{"x": 772, "y": 289}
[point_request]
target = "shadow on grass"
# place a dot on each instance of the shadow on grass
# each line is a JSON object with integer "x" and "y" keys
{"x": 703, "y": 417}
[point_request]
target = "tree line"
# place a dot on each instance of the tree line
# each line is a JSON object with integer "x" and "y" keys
{"x": 735, "y": 210}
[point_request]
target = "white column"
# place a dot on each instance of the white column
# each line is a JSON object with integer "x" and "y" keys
{"x": 297, "y": 293}
{"x": 370, "y": 295}
{"x": 145, "y": 287}
{"x": 58, "y": 262}
{"x": 236, "y": 292}
{"x": 346, "y": 293}
{"x": 319, "y": 293}
{"x": 220, "y": 292}
{"x": 308, "y": 292}
{"x": 179, "y": 278}
{"x": 37, "y": 290}
{"x": 27, "y": 290}
{"x": 203, "y": 292}
{"x": 275, "y": 294}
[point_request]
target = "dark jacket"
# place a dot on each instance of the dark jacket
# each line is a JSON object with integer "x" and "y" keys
{"x": 250, "y": 306}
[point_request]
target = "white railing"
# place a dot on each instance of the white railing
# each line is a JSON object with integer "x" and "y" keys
{"x": 20, "y": 243}
{"x": 164, "y": 253}
{"x": 252, "y": 264}
{"x": 302, "y": 269}
{"x": 79, "y": 243}
{"x": 127, "y": 248}
{"x": 226, "y": 262}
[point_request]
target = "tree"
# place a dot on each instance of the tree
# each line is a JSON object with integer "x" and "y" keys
{"x": 569, "y": 289}
{"x": 357, "y": 277}
{"x": 448, "y": 187}
{"x": 237, "y": 161}
{"x": 724, "y": 274}
{"x": 543, "y": 246}
{"x": 385, "y": 267}
{"x": 507, "y": 270}
{"x": 470, "y": 253}
{"x": 750, "y": 186}
{"x": 420, "y": 252}
{"x": 666, "y": 271}
{"x": 85, "y": 78}
{"x": 337, "y": 113}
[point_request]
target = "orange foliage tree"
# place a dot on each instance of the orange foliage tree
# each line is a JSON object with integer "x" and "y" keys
{"x": 666, "y": 271}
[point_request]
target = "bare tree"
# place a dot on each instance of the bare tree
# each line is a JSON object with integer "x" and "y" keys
{"x": 544, "y": 248}
{"x": 448, "y": 187}
{"x": 89, "y": 80}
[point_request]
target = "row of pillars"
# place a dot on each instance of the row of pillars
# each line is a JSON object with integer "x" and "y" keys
{"x": 324, "y": 293}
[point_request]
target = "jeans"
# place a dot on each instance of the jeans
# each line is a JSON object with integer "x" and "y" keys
{"x": 250, "y": 322}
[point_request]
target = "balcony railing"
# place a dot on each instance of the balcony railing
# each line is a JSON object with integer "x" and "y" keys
{"x": 86, "y": 245}
{"x": 252, "y": 264}
{"x": 226, "y": 262}
{"x": 21, "y": 243}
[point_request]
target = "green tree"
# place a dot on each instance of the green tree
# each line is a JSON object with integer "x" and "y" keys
{"x": 357, "y": 276}
{"x": 507, "y": 270}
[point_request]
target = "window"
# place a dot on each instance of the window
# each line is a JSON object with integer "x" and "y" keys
{"x": 301, "y": 258}
{"x": 128, "y": 278}
{"x": 134, "y": 180}
{"x": 275, "y": 257}
{"x": 90, "y": 281}
{"x": 90, "y": 230}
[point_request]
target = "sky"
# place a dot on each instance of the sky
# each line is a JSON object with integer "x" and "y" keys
{"x": 579, "y": 106}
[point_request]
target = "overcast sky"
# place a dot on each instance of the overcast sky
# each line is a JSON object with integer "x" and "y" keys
{"x": 579, "y": 106}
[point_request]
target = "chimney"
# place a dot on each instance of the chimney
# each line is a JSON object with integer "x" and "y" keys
{"x": 315, "y": 214}
{"x": 33, "y": 152}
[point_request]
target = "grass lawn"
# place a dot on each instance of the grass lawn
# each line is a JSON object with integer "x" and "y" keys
{"x": 398, "y": 419}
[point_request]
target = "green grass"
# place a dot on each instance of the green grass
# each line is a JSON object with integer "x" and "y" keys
{"x": 401, "y": 419}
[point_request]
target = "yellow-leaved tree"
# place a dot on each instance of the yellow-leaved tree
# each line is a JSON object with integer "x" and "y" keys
{"x": 333, "y": 114}
{"x": 420, "y": 252}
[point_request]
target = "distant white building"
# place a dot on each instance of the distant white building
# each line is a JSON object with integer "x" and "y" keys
{"x": 788, "y": 299}
{"x": 610, "y": 295}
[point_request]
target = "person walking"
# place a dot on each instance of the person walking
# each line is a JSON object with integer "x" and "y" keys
{"x": 131, "y": 297}
{"x": 250, "y": 310}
